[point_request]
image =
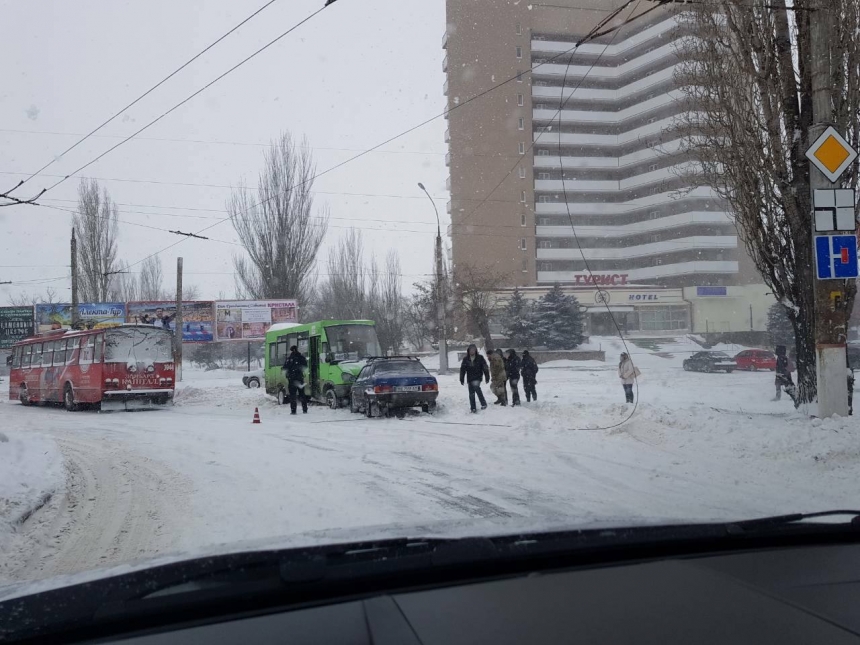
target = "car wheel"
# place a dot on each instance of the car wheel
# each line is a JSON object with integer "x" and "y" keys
{"x": 686, "y": 367}
{"x": 353, "y": 405}
{"x": 371, "y": 410}
{"x": 254, "y": 383}
{"x": 752, "y": 368}
{"x": 24, "y": 395}
{"x": 425, "y": 408}
{"x": 282, "y": 397}
{"x": 331, "y": 399}
{"x": 69, "y": 398}
{"x": 729, "y": 371}
{"x": 707, "y": 369}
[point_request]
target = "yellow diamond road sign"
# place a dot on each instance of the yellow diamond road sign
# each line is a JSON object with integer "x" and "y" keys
{"x": 831, "y": 154}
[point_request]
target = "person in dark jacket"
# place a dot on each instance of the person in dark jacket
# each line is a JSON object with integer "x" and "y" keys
{"x": 512, "y": 369}
{"x": 782, "y": 379}
{"x": 529, "y": 370}
{"x": 294, "y": 367}
{"x": 473, "y": 368}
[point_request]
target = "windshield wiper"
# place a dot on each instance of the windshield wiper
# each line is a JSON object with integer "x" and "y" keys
{"x": 790, "y": 519}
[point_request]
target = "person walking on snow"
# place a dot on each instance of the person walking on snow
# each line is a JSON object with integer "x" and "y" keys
{"x": 628, "y": 373}
{"x": 782, "y": 378}
{"x": 498, "y": 378}
{"x": 472, "y": 370}
{"x": 529, "y": 370}
{"x": 512, "y": 369}
{"x": 295, "y": 366}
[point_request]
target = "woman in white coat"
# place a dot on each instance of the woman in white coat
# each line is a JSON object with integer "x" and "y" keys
{"x": 628, "y": 373}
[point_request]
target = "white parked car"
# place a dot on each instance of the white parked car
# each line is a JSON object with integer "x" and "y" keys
{"x": 253, "y": 379}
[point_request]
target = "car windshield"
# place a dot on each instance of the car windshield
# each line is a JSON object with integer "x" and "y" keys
{"x": 407, "y": 368}
{"x": 220, "y": 220}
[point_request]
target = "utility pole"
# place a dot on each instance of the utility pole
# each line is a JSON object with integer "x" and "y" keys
{"x": 177, "y": 323}
{"x": 831, "y": 316}
{"x": 75, "y": 312}
{"x": 441, "y": 291}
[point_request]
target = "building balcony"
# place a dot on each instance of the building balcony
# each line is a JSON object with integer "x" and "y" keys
{"x": 672, "y": 98}
{"x": 547, "y": 138}
{"x": 707, "y": 267}
{"x": 445, "y": 88}
{"x": 445, "y": 63}
{"x": 591, "y": 185}
{"x": 550, "y": 162}
{"x": 445, "y": 40}
{"x": 604, "y": 72}
{"x": 622, "y": 208}
{"x": 555, "y": 48}
{"x": 448, "y": 183}
{"x": 669, "y": 222}
{"x": 553, "y": 93}
{"x": 448, "y": 207}
{"x": 695, "y": 243}
{"x": 447, "y": 136}
{"x": 447, "y": 158}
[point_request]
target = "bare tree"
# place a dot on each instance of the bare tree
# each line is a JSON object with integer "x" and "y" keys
{"x": 151, "y": 279}
{"x": 477, "y": 293}
{"x": 125, "y": 286}
{"x": 420, "y": 313}
{"x": 26, "y": 300}
{"x": 387, "y": 304}
{"x": 343, "y": 295}
{"x": 747, "y": 76}
{"x": 96, "y": 229}
{"x": 278, "y": 227}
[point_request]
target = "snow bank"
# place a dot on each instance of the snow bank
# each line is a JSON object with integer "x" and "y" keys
{"x": 31, "y": 470}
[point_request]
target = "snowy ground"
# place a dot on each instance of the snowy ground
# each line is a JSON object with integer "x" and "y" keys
{"x": 201, "y": 476}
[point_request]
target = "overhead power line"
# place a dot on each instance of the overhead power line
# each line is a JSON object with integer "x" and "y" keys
{"x": 191, "y": 96}
{"x": 147, "y": 92}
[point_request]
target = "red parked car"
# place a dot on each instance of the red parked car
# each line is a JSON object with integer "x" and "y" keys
{"x": 756, "y": 359}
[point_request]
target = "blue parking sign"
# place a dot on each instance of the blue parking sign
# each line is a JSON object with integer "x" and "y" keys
{"x": 836, "y": 256}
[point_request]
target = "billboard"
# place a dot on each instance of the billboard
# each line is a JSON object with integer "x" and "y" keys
{"x": 98, "y": 315}
{"x": 198, "y": 321}
{"x": 16, "y": 323}
{"x": 251, "y": 319}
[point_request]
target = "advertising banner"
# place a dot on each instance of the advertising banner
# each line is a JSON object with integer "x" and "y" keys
{"x": 198, "y": 320}
{"x": 251, "y": 319}
{"x": 96, "y": 315}
{"x": 16, "y": 323}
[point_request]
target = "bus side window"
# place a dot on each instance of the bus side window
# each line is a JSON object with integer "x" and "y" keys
{"x": 47, "y": 354}
{"x": 100, "y": 341}
{"x": 273, "y": 354}
{"x": 72, "y": 350}
{"x": 324, "y": 353}
{"x": 59, "y": 353}
{"x": 87, "y": 350}
{"x": 16, "y": 357}
{"x": 25, "y": 356}
{"x": 36, "y": 357}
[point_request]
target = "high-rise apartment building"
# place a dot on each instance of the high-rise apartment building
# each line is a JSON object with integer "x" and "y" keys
{"x": 575, "y": 162}
{"x": 580, "y": 147}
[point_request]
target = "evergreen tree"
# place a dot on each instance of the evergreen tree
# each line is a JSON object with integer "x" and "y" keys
{"x": 779, "y": 326}
{"x": 557, "y": 320}
{"x": 517, "y": 320}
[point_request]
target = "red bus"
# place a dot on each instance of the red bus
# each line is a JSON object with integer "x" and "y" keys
{"x": 121, "y": 367}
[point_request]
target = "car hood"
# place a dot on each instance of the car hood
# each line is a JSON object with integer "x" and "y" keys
{"x": 438, "y": 529}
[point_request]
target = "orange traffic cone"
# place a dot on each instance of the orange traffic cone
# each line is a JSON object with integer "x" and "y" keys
{"x": 256, "y": 416}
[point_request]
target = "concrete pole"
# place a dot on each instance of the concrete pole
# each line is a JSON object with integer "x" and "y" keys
{"x": 177, "y": 323}
{"x": 74, "y": 250}
{"x": 831, "y": 316}
{"x": 441, "y": 291}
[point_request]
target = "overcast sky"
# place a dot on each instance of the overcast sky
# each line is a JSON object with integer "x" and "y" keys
{"x": 357, "y": 74}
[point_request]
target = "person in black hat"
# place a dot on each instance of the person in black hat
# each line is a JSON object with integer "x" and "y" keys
{"x": 294, "y": 367}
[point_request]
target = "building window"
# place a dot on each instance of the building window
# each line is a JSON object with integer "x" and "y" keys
{"x": 522, "y": 172}
{"x": 543, "y": 153}
{"x": 652, "y": 167}
{"x": 661, "y": 319}
{"x": 545, "y": 266}
{"x": 545, "y": 244}
{"x": 655, "y": 190}
{"x": 543, "y": 175}
{"x": 525, "y": 265}
{"x": 520, "y": 100}
{"x": 653, "y": 215}
{"x": 519, "y": 29}
{"x": 658, "y": 262}
{"x": 520, "y": 75}
{"x": 652, "y": 119}
{"x": 521, "y": 124}
{"x": 543, "y": 199}
{"x": 522, "y": 244}
{"x": 544, "y": 221}
{"x": 540, "y": 106}
{"x": 655, "y": 238}
{"x": 519, "y": 52}
{"x": 522, "y": 148}
{"x": 523, "y": 196}
{"x": 522, "y": 219}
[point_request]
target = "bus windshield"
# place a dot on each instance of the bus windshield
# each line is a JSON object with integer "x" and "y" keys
{"x": 138, "y": 345}
{"x": 352, "y": 342}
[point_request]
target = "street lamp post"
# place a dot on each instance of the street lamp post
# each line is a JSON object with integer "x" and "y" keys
{"x": 441, "y": 294}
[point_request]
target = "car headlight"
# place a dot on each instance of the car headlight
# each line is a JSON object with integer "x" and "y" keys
{"x": 348, "y": 377}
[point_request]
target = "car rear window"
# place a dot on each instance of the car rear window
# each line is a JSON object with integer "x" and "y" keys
{"x": 400, "y": 367}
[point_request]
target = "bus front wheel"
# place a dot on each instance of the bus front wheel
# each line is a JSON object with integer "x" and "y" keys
{"x": 331, "y": 399}
{"x": 282, "y": 397}
{"x": 69, "y": 398}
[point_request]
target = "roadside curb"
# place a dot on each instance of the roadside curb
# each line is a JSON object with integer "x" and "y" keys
{"x": 35, "y": 508}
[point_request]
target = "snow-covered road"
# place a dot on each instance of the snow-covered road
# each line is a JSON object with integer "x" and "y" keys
{"x": 198, "y": 475}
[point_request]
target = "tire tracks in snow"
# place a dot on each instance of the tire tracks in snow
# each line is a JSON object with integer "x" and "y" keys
{"x": 118, "y": 507}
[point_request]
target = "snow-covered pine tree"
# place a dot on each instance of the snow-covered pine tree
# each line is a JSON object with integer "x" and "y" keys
{"x": 557, "y": 320}
{"x": 517, "y": 323}
{"x": 779, "y": 326}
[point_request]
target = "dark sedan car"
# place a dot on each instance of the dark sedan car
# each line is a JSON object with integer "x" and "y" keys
{"x": 710, "y": 362}
{"x": 393, "y": 384}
